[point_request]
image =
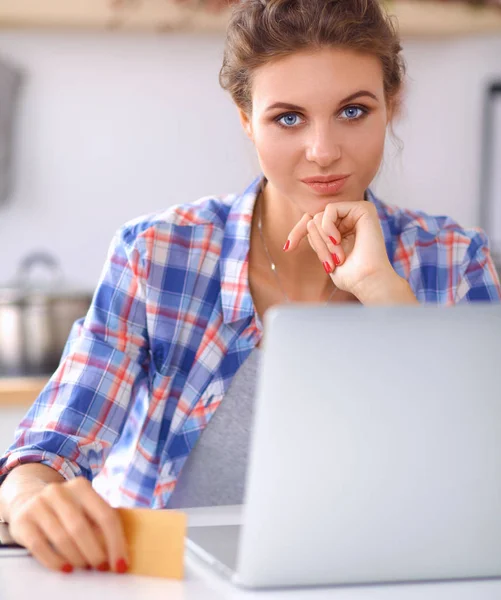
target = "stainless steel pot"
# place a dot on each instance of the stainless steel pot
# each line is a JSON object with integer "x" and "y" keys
{"x": 36, "y": 318}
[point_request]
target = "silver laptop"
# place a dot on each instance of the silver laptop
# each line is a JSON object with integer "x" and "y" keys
{"x": 375, "y": 450}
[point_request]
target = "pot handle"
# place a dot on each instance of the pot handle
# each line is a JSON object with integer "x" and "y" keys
{"x": 29, "y": 262}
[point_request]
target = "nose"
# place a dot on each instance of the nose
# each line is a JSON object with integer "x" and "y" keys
{"x": 322, "y": 148}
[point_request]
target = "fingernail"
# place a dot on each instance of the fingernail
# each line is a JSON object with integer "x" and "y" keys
{"x": 67, "y": 568}
{"x": 104, "y": 566}
{"x": 286, "y": 247}
{"x": 336, "y": 260}
{"x": 88, "y": 568}
{"x": 327, "y": 267}
{"x": 121, "y": 565}
{"x": 333, "y": 240}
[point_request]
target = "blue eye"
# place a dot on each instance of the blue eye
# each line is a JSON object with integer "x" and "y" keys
{"x": 354, "y": 117}
{"x": 287, "y": 123}
{"x": 355, "y": 113}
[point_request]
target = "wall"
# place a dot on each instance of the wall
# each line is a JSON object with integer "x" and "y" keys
{"x": 10, "y": 417}
{"x": 439, "y": 169}
{"x": 112, "y": 126}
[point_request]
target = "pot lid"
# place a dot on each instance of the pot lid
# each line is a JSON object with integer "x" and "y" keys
{"x": 39, "y": 274}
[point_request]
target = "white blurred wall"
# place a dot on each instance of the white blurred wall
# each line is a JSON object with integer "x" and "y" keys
{"x": 10, "y": 417}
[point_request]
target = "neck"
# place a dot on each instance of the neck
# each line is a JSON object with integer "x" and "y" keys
{"x": 301, "y": 270}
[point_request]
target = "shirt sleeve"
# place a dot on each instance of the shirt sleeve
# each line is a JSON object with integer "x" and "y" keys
{"x": 478, "y": 279}
{"x": 74, "y": 422}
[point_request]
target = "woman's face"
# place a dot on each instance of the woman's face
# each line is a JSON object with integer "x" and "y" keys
{"x": 325, "y": 134}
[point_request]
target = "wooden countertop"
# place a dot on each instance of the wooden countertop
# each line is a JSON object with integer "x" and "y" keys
{"x": 20, "y": 391}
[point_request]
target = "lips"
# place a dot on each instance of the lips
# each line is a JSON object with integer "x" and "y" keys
{"x": 324, "y": 178}
{"x": 329, "y": 188}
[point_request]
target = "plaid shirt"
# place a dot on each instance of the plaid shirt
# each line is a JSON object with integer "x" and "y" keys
{"x": 172, "y": 320}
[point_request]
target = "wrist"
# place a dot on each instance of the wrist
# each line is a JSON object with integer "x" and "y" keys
{"x": 385, "y": 288}
{"x": 22, "y": 484}
{"x": 9, "y": 503}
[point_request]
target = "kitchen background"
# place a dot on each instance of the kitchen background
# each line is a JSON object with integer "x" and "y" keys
{"x": 114, "y": 124}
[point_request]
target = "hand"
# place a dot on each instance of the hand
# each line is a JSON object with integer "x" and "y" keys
{"x": 348, "y": 240}
{"x": 69, "y": 525}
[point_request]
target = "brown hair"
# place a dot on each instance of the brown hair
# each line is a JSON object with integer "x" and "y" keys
{"x": 263, "y": 30}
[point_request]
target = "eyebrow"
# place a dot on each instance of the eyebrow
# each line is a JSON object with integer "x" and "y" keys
{"x": 347, "y": 99}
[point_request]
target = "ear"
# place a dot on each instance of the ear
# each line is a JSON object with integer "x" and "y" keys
{"x": 246, "y": 123}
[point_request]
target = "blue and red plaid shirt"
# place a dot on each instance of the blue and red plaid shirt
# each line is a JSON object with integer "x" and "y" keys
{"x": 172, "y": 320}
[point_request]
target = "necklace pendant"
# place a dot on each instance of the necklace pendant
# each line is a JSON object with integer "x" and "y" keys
{"x": 273, "y": 267}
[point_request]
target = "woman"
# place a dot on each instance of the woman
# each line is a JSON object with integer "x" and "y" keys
{"x": 177, "y": 318}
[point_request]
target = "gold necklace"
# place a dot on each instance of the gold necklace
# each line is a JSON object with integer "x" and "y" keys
{"x": 272, "y": 264}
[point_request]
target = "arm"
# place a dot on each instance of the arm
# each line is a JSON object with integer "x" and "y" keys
{"x": 386, "y": 290}
{"x": 23, "y": 483}
{"x": 69, "y": 431}
{"x": 80, "y": 413}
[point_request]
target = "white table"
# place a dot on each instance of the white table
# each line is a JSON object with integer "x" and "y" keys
{"x": 22, "y": 578}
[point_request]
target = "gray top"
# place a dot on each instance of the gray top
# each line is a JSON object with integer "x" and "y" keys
{"x": 214, "y": 472}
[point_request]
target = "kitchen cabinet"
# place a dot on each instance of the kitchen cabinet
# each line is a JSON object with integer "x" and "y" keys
{"x": 422, "y": 18}
{"x": 417, "y": 18}
{"x": 9, "y": 420}
{"x": 149, "y": 15}
{"x": 20, "y": 392}
{"x": 16, "y": 396}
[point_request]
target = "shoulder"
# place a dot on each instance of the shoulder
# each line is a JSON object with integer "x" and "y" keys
{"x": 186, "y": 241}
{"x": 418, "y": 231}
{"x": 183, "y": 238}
{"x": 205, "y": 214}
{"x": 443, "y": 261}
{"x": 177, "y": 235}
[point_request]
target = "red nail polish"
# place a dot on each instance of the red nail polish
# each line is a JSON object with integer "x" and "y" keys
{"x": 327, "y": 267}
{"x": 286, "y": 247}
{"x": 121, "y": 566}
{"x": 333, "y": 240}
{"x": 336, "y": 260}
{"x": 88, "y": 568}
{"x": 104, "y": 566}
{"x": 67, "y": 568}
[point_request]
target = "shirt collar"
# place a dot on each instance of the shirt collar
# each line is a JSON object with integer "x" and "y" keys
{"x": 236, "y": 297}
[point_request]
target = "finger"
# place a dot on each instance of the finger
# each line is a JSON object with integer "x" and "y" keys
{"x": 84, "y": 534}
{"x": 311, "y": 243}
{"x": 109, "y": 523}
{"x": 320, "y": 248}
{"x": 328, "y": 230}
{"x": 332, "y": 240}
{"x": 344, "y": 216}
{"x": 58, "y": 536}
{"x": 298, "y": 232}
{"x": 35, "y": 541}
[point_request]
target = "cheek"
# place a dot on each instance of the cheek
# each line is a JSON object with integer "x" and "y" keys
{"x": 274, "y": 146}
{"x": 367, "y": 147}
{"x": 271, "y": 136}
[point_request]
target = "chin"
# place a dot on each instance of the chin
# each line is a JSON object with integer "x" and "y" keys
{"x": 319, "y": 203}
